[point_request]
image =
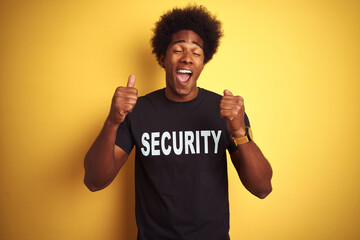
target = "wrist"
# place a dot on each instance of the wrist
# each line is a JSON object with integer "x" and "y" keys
{"x": 239, "y": 133}
{"x": 239, "y": 140}
{"x": 111, "y": 123}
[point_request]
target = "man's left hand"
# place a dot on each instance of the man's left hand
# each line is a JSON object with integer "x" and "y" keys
{"x": 232, "y": 109}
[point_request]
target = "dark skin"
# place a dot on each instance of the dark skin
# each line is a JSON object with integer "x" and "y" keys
{"x": 104, "y": 159}
{"x": 185, "y": 53}
{"x": 252, "y": 167}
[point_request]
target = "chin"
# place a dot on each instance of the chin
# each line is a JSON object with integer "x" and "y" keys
{"x": 183, "y": 91}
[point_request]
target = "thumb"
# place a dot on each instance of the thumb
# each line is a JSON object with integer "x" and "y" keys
{"x": 131, "y": 81}
{"x": 227, "y": 93}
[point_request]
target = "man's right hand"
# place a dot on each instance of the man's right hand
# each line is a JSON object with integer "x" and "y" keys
{"x": 123, "y": 102}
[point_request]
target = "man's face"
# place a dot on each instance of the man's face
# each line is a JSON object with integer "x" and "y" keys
{"x": 183, "y": 63}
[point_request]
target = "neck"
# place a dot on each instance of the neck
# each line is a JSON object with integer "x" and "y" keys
{"x": 176, "y": 97}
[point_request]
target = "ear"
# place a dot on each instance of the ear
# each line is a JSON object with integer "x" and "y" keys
{"x": 162, "y": 60}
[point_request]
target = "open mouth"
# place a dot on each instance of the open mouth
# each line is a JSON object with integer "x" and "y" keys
{"x": 183, "y": 75}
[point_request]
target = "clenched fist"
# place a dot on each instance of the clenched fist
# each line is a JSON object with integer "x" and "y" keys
{"x": 123, "y": 102}
{"x": 233, "y": 110}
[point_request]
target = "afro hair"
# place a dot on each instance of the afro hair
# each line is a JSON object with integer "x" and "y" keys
{"x": 192, "y": 17}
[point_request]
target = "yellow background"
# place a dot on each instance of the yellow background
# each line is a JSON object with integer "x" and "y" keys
{"x": 296, "y": 63}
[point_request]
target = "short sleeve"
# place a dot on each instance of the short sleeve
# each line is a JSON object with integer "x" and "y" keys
{"x": 123, "y": 136}
{"x": 246, "y": 120}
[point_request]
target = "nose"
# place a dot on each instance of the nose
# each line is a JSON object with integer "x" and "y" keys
{"x": 186, "y": 58}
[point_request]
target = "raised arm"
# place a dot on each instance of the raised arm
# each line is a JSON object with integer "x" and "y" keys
{"x": 252, "y": 167}
{"x": 104, "y": 159}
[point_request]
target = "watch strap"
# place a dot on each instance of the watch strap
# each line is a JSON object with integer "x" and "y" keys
{"x": 244, "y": 139}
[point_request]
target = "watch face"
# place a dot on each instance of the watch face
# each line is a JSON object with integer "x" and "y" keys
{"x": 240, "y": 140}
{"x": 245, "y": 139}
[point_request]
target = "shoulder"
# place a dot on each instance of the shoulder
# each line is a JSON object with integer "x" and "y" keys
{"x": 149, "y": 102}
{"x": 155, "y": 94}
{"x": 209, "y": 93}
{"x": 209, "y": 96}
{"x": 151, "y": 97}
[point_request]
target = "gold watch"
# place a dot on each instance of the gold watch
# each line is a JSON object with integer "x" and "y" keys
{"x": 245, "y": 139}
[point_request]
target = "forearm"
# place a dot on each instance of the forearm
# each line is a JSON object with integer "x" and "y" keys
{"x": 253, "y": 169}
{"x": 100, "y": 164}
{"x": 104, "y": 159}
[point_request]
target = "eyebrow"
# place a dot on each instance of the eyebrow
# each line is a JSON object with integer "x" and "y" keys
{"x": 182, "y": 41}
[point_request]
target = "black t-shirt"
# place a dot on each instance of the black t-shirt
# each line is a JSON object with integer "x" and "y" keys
{"x": 181, "y": 181}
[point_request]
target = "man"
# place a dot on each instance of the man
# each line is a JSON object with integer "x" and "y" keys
{"x": 181, "y": 134}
